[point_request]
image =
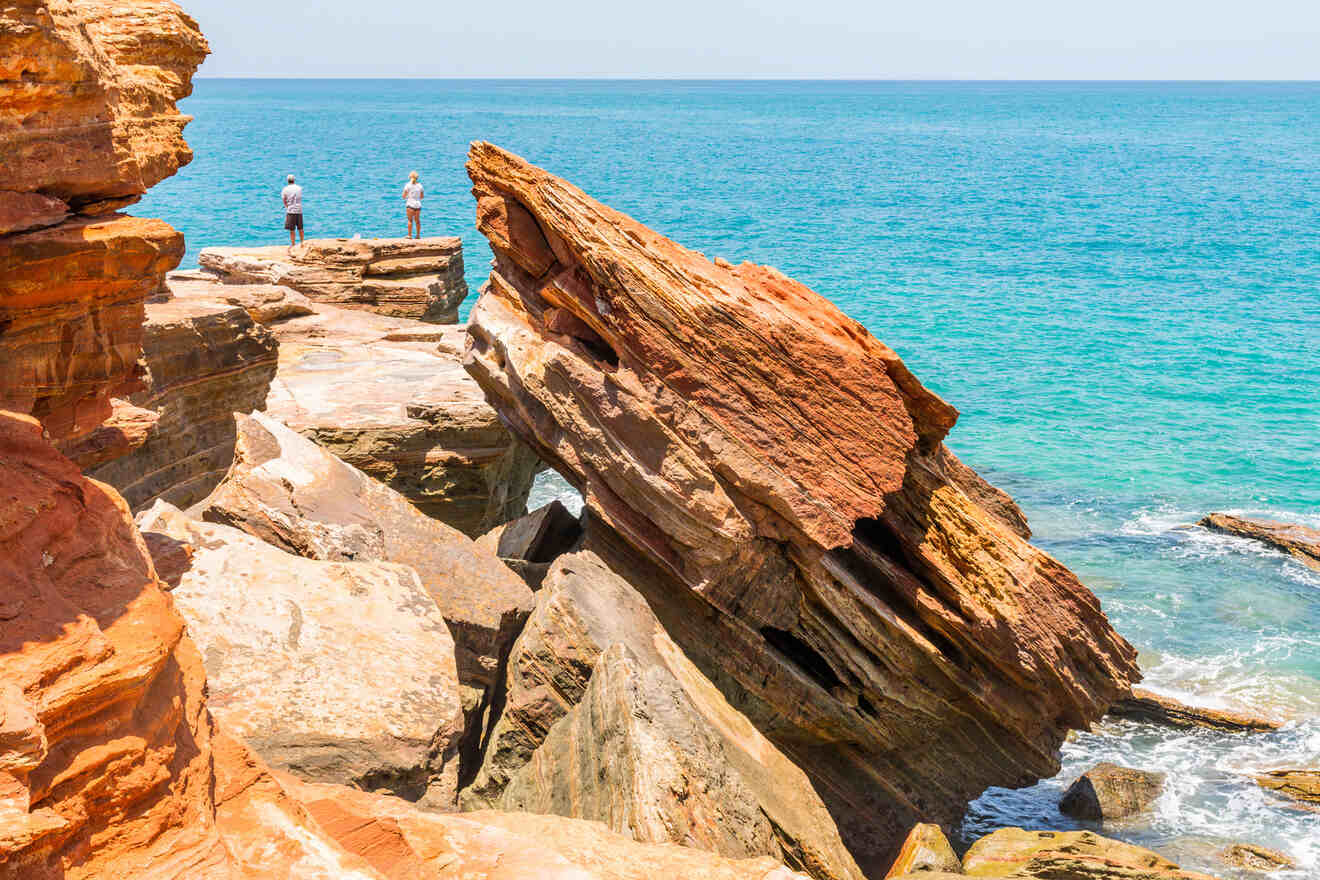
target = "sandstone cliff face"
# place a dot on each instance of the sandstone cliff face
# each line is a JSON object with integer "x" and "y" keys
{"x": 420, "y": 279}
{"x": 87, "y": 104}
{"x": 772, "y": 478}
{"x": 205, "y": 361}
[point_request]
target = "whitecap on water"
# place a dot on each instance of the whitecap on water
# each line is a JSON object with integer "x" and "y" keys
{"x": 550, "y": 486}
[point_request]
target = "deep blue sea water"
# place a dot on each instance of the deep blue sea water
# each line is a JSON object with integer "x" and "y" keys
{"x": 1117, "y": 284}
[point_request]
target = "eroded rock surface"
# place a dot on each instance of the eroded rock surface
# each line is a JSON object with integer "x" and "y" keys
{"x": 1299, "y": 784}
{"x": 88, "y": 120}
{"x": 1299, "y": 542}
{"x": 925, "y": 850}
{"x": 771, "y": 477}
{"x": 1109, "y": 791}
{"x": 604, "y": 718}
{"x": 1153, "y": 708}
{"x": 339, "y": 672}
{"x": 292, "y": 494}
{"x": 420, "y": 279}
{"x": 205, "y": 360}
{"x": 1067, "y": 855}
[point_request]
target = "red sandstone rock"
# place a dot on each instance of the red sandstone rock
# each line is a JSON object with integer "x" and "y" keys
{"x": 87, "y": 101}
{"x": 770, "y": 476}
{"x": 71, "y": 307}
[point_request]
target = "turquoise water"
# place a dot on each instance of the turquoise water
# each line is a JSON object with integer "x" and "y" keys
{"x": 1117, "y": 284}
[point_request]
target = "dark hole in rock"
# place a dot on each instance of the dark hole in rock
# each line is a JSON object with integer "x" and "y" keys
{"x": 803, "y": 656}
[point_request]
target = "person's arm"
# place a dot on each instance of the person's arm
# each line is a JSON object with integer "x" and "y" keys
{"x": 421, "y": 192}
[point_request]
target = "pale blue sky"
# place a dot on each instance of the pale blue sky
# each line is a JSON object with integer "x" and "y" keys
{"x": 937, "y": 39}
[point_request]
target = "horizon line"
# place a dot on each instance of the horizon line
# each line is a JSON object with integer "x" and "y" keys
{"x": 685, "y": 78}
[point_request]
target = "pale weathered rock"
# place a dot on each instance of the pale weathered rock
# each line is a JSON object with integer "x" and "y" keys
{"x": 71, "y": 307}
{"x": 205, "y": 361}
{"x": 604, "y": 718}
{"x": 405, "y": 844}
{"x": 1153, "y": 708}
{"x": 1067, "y": 855}
{"x": 925, "y": 850}
{"x": 1256, "y": 858}
{"x": 340, "y": 672}
{"x": 1301, "y": 785}
{"x": 770, "y": 476}
{"x": 1108, "y": 791}
{"x": 87, "y": 102}
{"x": 290, "y": 493}
{"x": 407, "y": 278}
{"x": 264, "y": 303}
{"x": 1299, "y": 542}
{"x": 408, "y": 416}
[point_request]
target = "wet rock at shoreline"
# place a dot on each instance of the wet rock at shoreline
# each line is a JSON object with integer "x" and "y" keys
{"x": 205, "y": 360}
{"x": 1109, "y": 791}
{"x": 1067, "y": 855}
{"x": 1152, "y": 708}
{"x": 292, "y": 494}
{"x": 339, "y": 672}
{"x": 1300, "y": 785}
{"x": 1256, "y": 858}
{"x": 604, "y": 718}
{"x": 926, "y": 851}
{"x": 770, "y": 477}
{"x": 421, "y": 279}
{"x": 1299, "y": 542}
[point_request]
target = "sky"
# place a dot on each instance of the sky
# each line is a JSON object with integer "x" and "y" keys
{"x": 853, "y": 39}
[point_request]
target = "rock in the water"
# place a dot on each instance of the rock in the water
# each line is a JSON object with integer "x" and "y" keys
{"x": 292, "y": 494}
{"x": 1153, "y": 708}
{"x": 1067, "y": 855}
{"x": 1256, "y": 858}
{"x": 405, "y": 413}
{"x": 774, "y": 479}
{"x": 604, "y": 718}
{"x": 1299, "y": 542}
{"x": 1301, "y": 785}
{"x": 406, "y": 278}
{"x": 339, "y": 672}
{"x": 1108, "y": 791}
{"x": 925, "y": 850}
{"x": 87, "y": 103}
{"x": 71, "y": 301}
{"x": 205, "y": 361}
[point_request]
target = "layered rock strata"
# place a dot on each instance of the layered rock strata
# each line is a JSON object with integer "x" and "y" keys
{"x": 604, "y": 718}
{"x": 1063, "y": 855}
{"x": 205, "y": 360}
{"x": 420, "y": 279}
{"x": 1299, "y": 542}
{"x": 772, "y": 478}
{"x": 926, "y": 849}
{"x": 287, "y": 491}
{"x": 1152, "y": 708}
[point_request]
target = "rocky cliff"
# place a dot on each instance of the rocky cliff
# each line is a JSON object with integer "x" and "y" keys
{"x": 772, "y": 478}
{"x": 87, "y": 123}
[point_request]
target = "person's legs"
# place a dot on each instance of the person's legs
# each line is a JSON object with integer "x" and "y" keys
{"x": 300, "y": 229}
{"x": 408, "y": 211}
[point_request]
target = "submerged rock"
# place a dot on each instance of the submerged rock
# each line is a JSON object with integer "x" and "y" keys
{"x": 1109, "y": 791}
{"x": 420, "y": 279}
{"x": 1299, "y": 542}
{"x": 1256, "y": 858}
{"x": 771, "y": 477}
{"x": 604, "y": 718}
{"x": 1067, "y": 855}
{"x": 926, "y": 851}
{"x": 1153, "y": 708}
{"x": 205, "y": 361}
{"x": 339, "y": 672}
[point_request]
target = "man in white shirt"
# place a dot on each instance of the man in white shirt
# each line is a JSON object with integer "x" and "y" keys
{"x": 293, "y": 219}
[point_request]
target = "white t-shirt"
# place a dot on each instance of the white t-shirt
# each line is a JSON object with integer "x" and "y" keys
{"x": 413, "y": 192}
{"x": 292, "y": 196}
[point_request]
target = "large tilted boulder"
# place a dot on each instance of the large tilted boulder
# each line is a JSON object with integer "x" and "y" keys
{"x": 1298, "y": 541}
{"x": 339, "y": 672}
{"x": 1110, "y": 791}
{"x": 405, "y": 278}
{"x": 292, "y": 494}
{"x": 604, "y": 718}
{"x": 205, "y": 361}
{"x": 770, "y": 476}
{"x": 925, "y": 850}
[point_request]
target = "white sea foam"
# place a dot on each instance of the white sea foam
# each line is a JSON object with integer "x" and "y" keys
{"x": 550, "y": 486}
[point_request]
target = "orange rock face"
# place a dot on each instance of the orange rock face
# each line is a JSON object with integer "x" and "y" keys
{"x": 87, "y": 102}
{"x": 772, "y": 478}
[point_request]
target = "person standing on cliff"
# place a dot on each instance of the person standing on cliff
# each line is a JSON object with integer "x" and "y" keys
{"x": 412, "y": 203}
{"x": 293, "y": 219}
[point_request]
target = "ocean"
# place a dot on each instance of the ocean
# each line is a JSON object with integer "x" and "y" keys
{"x": 1117, "y": 284}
